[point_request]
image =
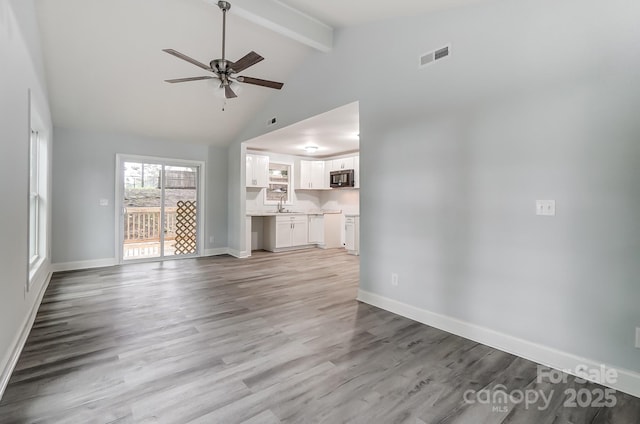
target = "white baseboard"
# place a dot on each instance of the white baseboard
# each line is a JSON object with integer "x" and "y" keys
{"x": 627, "y": 381}
{"x": 216, "y": 251}
{"x": 12, "y": 360}
{"x": 240, "y": 254}
{"x": 94, "y": 263}
{"x": 101, "y": 263}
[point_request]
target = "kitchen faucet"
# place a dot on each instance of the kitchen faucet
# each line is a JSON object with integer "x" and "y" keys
{"x": 283, "y": 193}
{"x": 281, "y": 203}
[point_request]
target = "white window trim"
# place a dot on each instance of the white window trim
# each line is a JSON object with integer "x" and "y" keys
{"x": 37, "y": 254}
{"x": 289, "y": 200}
{"x": 34, "y": 197}
{"x": 34, "y": 202}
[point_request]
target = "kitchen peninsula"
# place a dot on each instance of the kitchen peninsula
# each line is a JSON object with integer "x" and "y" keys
{"x": 278, "y": 232}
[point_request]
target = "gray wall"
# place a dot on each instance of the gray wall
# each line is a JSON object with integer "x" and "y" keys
{"x": 236, "y": 200}
{"x": 20, "y": 71}
{"x": 217, "y": 207}
{"x": 539, "y": 100}
{"x": 84, "y": 171}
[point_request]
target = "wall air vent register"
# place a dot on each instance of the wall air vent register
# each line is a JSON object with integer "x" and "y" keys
{"x": 427, "y": 59}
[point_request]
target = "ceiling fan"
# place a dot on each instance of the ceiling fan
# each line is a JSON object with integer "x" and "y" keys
{"x": 224, "y": 69}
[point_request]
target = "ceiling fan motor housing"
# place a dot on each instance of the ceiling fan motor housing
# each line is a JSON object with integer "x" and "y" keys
{"x": 220, "y": 65}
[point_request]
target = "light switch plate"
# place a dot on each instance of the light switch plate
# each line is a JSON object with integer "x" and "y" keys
{"x": 546, "y": 207}
{"x": 104, "y": 202}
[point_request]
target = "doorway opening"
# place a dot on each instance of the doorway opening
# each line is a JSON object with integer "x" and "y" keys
{"x": 159, "y": 209}
{"x": 289, "y": 171}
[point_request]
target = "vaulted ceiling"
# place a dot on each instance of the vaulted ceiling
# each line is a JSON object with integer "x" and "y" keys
{"x": 341, "y": 13}
{"x": 105, "y": 67}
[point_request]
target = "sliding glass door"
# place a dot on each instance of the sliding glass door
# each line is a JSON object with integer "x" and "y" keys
{"x": 159, "y": 210}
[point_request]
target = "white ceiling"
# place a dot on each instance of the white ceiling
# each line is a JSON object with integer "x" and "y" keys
{"x": 106, "y": 69}
{"x": 334, "y": 132}
{"x": 341, "y": 13}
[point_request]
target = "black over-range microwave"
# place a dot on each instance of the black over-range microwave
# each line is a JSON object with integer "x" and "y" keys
{"x": 342, "y": 178}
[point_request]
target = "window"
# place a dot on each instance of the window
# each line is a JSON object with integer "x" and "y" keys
{"x": 37, "y": 194}
{"x": 279, "y": 184}
{"x": 34, "y": 199}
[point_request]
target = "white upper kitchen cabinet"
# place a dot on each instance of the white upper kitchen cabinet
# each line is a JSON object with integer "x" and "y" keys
{"x": 257, "y": 171}
{"x": 312, "y": 175}
{"x": 342, "y": 164}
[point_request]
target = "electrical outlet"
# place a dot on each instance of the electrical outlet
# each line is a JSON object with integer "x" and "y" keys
{"x": 394, "y": 280}
{"x": 210, "y": 239}
{"x": 638, "y": 337}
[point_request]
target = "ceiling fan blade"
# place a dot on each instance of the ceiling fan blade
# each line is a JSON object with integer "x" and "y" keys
{"x": 228, "y": 92}
{"x": 188, "y": 79}
{"x": 248, "y": 60}
{"x": 187, "y": 58}
{"x": 261, "y": 82}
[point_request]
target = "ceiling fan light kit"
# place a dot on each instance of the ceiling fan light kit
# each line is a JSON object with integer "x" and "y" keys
{"x": 219, "y": 90}
{"x": 226, "y": 84}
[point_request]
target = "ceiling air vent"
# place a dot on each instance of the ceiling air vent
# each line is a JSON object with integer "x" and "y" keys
{"x": 433, "y": 56}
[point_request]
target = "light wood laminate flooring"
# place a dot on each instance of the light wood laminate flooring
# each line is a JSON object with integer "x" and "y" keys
{"x": 277, "y": 338}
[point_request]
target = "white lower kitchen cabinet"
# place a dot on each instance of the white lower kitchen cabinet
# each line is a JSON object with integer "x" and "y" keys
{"x": 352, "y": 234}
{"x": 285, "y": 232}
{"x": 300, "y": 232}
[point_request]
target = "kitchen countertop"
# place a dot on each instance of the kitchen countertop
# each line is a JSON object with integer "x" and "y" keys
{"x": 323, "y": 212}
{"x": 273, "y": 213}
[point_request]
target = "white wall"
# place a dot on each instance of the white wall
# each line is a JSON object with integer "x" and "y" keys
{"x": 539, "y": 100}
{"x": 84, "y": 171}
{"x": 21, "y": 71}
{"x": 217, "y": 192}
{"x": 236, "y": 201}
{"x": 346, "y": 200}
